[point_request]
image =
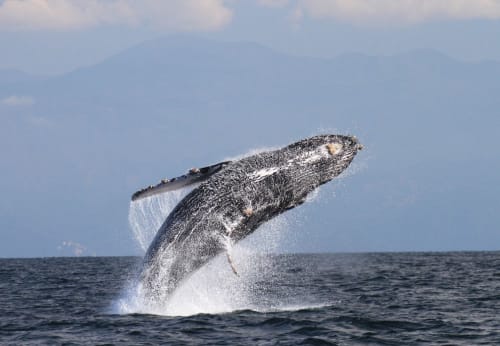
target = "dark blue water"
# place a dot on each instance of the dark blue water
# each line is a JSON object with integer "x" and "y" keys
{"x": 361, "y": 299}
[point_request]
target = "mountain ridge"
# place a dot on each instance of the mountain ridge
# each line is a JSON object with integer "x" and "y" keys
{"x": 90, "y": 138}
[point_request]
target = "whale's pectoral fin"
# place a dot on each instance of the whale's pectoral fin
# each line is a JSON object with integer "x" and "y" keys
{"x": 230, "y": 260}
{"x": 195, "y": 175}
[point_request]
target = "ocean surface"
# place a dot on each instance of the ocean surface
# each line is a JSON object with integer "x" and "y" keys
{"x": 310, "y": 299}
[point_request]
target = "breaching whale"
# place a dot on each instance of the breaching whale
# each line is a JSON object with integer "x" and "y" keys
{"x": 232, "y": 200}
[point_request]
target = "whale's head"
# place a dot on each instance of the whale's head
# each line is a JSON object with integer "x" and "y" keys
{"x": 327, "y": 155}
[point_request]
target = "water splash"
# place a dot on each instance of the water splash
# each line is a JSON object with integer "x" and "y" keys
{"x": 147, "y": 215}
{"x": 215, "y": 288}
{"x": 250, "y": 152}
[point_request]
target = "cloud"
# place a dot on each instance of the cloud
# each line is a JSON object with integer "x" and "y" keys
{"x": 396, "y": 11}
{"x": 69, "y": 247}
{"x": 169, "y": 15}
{"x": 15, "y": 100}
{"x": 203, "y": 15}
{"x": 273, "y": 3}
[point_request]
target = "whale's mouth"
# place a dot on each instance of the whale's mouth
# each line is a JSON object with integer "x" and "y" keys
{"x": 358, "y": 146}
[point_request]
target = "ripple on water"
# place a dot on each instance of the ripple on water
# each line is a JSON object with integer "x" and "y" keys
{"x": 318, "y": 305}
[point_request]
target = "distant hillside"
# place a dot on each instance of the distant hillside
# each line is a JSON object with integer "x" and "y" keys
{"x": 73, "y": 155}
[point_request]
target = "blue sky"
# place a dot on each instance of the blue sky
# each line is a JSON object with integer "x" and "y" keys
{"x": 122, "y": 93}
{"x": 55, "y": 36}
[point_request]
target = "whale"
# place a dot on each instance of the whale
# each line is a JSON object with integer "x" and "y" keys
{"x": 230, "y": 200}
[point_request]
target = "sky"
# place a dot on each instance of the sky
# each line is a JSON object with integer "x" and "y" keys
{"x": 56, "y": 36}
{"x": 430, "y": 141}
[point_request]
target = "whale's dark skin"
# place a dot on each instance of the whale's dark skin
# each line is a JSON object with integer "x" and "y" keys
{"x": 233, "y": 202}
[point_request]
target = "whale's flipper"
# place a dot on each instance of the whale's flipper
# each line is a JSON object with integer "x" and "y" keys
{"x": 230, "y": 260}
{"x": 195, "y": 175}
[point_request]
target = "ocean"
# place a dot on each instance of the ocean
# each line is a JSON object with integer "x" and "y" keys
{"x": 296, "y": 299}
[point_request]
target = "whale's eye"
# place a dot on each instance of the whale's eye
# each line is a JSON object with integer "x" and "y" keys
{"x": 334, "y": 148}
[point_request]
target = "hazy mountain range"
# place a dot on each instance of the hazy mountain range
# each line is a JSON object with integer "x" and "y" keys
{"x": 74, "y": 147}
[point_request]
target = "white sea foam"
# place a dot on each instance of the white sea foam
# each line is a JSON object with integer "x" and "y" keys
{"x": 215, "y": 288}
